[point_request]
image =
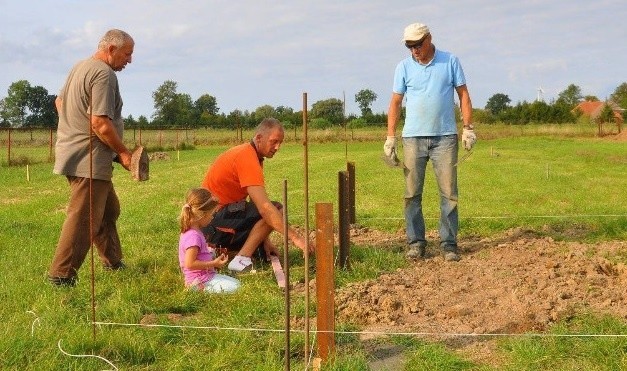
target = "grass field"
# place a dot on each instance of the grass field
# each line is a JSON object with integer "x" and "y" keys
{"x": 545, "y": 181}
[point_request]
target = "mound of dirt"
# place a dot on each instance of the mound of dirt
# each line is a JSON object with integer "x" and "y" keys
{"x": 158, "y": 156}
{"x": 512, "y": 284}
{"x": 622, "y": 136}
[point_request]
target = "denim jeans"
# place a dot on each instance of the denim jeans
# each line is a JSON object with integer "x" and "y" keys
{"x": 442, "y": 151}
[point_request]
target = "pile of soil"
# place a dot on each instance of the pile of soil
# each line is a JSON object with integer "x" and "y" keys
{"x": 622, "y": 136}
{"x": 516, "y": 283}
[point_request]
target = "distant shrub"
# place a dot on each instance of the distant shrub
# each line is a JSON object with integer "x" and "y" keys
{"x": 357, "y": 123}
{"x": 320, "y": 123}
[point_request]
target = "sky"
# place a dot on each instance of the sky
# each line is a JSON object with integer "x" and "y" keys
{"x": 250, "y": 53}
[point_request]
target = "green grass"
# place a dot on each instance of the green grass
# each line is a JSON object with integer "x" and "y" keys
{"x": 550, "y": 185}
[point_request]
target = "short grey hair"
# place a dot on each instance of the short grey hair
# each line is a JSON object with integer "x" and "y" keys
{"x": 268, "y": 124}
{"x": 114, "y": 37}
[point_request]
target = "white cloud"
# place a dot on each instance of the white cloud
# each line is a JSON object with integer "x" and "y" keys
{"x": 249, "y": 53}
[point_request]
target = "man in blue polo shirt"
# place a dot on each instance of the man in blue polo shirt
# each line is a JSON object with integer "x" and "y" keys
{"x": 428, "y": 79}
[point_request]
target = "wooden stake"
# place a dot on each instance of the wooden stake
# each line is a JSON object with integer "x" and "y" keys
{"x": 324, "y": 281}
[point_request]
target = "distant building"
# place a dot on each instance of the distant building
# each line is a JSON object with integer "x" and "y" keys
{"x": 593, "y": 109}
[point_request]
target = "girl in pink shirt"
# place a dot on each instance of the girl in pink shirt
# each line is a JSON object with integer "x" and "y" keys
{"x": 198, "y": 261}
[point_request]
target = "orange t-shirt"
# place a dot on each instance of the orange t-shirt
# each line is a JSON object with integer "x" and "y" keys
{"x": 232, "y": 172}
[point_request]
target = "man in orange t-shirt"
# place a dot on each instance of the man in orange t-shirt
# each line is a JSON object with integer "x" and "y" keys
{"x": 247, "y": 216}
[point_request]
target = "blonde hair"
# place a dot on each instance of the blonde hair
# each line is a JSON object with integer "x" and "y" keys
{"x": 198, "y": 203}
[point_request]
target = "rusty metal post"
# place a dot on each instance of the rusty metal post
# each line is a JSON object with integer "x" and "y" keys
{"x": 343, "y": 225}
{"x": 350, "y": 167}
{"x": 324, "y": 281}
{"x": 306, "y": 209}
{"x": 286, "y": 269}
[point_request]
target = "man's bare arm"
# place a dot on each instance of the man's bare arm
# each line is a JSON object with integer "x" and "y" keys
{"x": 465, "y": 104}
{"x": 103, "y": 128}
{"x": 272, "y": 216}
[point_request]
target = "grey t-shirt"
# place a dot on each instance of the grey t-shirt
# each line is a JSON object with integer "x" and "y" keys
{"x": 88, "y": 77}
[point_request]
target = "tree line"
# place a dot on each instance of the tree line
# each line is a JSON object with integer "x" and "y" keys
{"x": 32, "y": 106}
{"x": 561, "y": 110}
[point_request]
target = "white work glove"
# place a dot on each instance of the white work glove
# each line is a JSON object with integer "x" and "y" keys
{"x": 468, "y": 138}
{"x": 390, "y": 146}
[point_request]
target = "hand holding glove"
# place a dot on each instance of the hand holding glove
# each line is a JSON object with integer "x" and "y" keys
{"x": 468, "y": 137}
{"x": 389, "y": 152}
{"x": 390, "y": 146}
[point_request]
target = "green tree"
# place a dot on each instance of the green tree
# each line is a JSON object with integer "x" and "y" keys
{"x": 166, "y": 104}
{"x": 483, "y": 116}
{"x": 364, "y": 98}
{"x": 570, "y": 97}
{"x": 591, "y": 98}
{"x": 619, "y": 96}
{"x": 41, "y": 108}
{"x": 16, "y": 103}
{"x": 286, "y": 116}
{"x": 130, "y": 122}
{"x": 27, "y": 105}
{"x": 4, "y": 123}
{"x": 331, "y": 109}
{"x": 606, "y": 115}
{"x": 206, "y": 104}
{"x": 263, "y": 112}
{"x": 498, "y": 103}
{"x": 184, "y": 111}
{"x": 142, "y": 121}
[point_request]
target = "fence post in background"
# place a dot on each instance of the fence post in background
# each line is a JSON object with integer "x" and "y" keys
{"x": 50, "y": 151}
{"x": 350, "y": 167}
{"x": 343, "y": 227}
{"x": 324, "y": 280}
{"x": 9, "y": 148}
{"x": 239, "y": 132}
{"x": 177, "y": 138}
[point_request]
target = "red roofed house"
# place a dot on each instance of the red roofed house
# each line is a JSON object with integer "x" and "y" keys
{"x": 593, "y": 110}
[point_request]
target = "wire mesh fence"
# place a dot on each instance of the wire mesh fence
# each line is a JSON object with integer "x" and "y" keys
{"x": 27, "y": 146}
{"x": 24, "y": 146}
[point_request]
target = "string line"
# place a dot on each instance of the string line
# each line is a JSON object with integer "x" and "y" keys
{"x": 85, "y": 356}
{"x": 423, "y": 333}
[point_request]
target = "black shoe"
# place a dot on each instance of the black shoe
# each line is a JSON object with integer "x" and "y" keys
{"x": 115, "y": 267}
{"x": 62, "y": 281}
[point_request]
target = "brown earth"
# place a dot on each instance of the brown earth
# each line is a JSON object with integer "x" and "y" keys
{"x": 622, "y": 136}
{"x": 516, "y": 283}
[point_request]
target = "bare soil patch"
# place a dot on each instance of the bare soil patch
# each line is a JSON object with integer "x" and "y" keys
{"x": 515, "y": 283}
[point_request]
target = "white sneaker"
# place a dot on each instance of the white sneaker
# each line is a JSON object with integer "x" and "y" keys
{"x": 241, "y": 264}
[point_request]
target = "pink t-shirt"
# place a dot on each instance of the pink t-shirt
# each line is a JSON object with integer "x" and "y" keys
{"x": 193, "y": 237}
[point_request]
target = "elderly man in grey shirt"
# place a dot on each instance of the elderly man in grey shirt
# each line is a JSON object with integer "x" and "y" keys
{"x": 90, "y": 102}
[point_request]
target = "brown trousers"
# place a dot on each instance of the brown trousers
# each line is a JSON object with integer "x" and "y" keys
{"x": 74, "y": 241}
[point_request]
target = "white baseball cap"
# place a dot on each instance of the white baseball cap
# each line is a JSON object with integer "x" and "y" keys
{"x": 415, "y": 32}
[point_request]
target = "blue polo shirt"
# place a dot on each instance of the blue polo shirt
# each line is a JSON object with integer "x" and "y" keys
{"x": 429, "y": 91}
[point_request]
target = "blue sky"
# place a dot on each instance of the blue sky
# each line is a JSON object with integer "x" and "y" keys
{"x": 249, "y": 53}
